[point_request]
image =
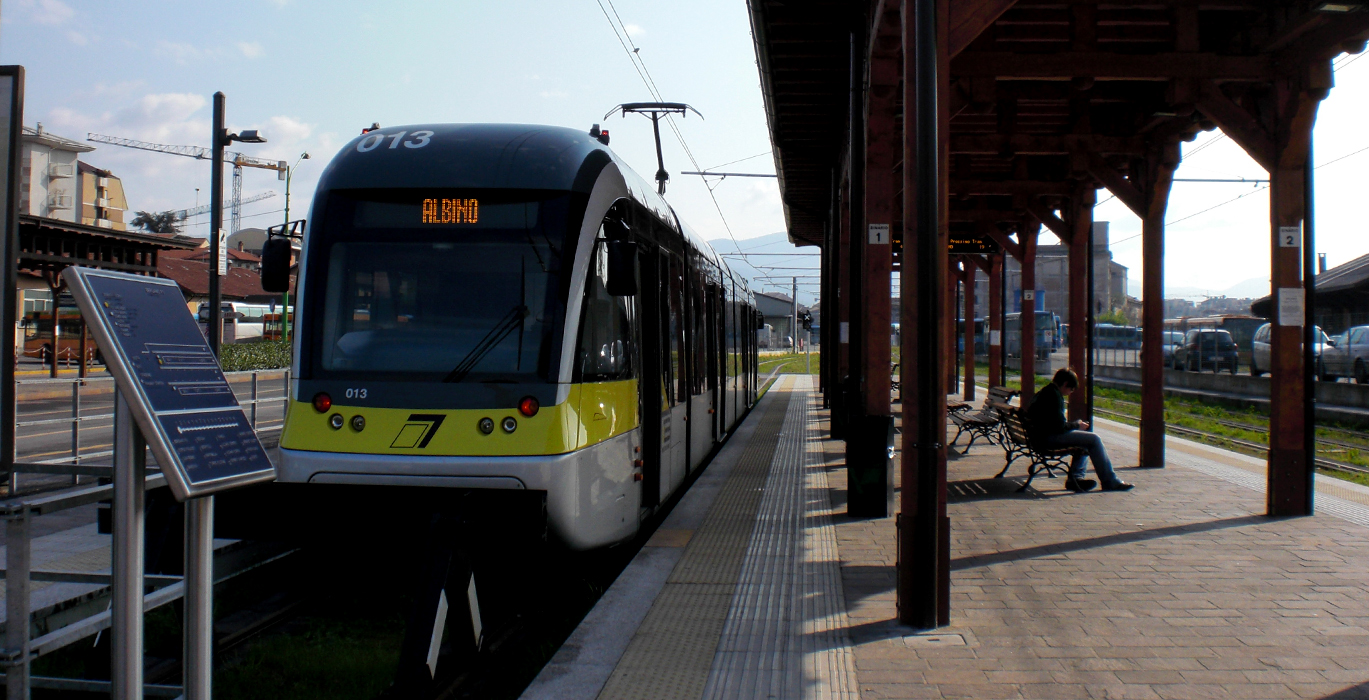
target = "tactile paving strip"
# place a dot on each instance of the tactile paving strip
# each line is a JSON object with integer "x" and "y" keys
{"x": 671, "y": 653}
{"x": 786, "y": 632}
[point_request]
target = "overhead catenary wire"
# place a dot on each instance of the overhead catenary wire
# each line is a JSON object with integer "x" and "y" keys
{"x": 635, "y": 57}
{"x": 1243, "y": 196}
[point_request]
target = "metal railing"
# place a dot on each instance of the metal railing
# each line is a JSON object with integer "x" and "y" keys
{"x": 75, "y": 420}
{"x": 18, "y": 512}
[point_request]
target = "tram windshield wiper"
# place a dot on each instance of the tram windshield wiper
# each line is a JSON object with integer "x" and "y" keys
{"x": 510, "y": 322}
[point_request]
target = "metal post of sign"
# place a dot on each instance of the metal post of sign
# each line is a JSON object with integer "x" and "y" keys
{"x": 808, "y": 352}
{"x": 11, "y": 122}
{"x": 17, "y": 561}
{"x": 199, "y": 597}
{"x": 130, "y": 465}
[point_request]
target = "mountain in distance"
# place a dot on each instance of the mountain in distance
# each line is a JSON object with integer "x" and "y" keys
{"x": 769, "y": 263}
{"x": 1253, "y": 288}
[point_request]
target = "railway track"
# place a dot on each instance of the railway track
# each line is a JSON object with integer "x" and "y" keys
{"x": 1265, "y": 428}
{"x": 1245, "y": 444}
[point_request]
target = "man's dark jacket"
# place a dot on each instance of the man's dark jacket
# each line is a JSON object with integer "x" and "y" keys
{"x": 1046, "y": 414}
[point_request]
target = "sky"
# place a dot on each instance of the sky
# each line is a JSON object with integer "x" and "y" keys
{"x": 310, "y": 75}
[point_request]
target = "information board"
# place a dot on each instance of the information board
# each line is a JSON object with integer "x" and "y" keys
{"x": 961, "y": 243}
{"x": 179, "y": 396}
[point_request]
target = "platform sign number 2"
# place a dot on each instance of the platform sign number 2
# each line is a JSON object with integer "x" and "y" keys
{"x": 1290, "y": 236}
{"x": 879, "y": 234}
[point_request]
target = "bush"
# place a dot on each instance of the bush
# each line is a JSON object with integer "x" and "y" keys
{"x": 239, "y": 357}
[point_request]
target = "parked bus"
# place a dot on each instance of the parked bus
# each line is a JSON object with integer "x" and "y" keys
{"x": 1107, "y": 336}
{"x": 244, "y": 322}
{"x": 36, "y": 333}
{"x": 1047, "y": 334}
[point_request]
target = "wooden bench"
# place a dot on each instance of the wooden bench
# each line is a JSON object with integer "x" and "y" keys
{"x": 987, "y": 422}
{"x": 1018, "y": 444}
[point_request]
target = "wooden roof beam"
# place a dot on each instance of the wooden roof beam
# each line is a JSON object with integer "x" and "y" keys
{"x": 1238, "y": 123}
{"x": 1119, "y": 186}
{"x": 1045, "y": 144}
{"x": 969, "y": 19}
{"x": 1010, "y": 246}
{"x": 1033, "y": 188}
{"x": 1063, "y": 65}
{"x": 1051, "y": 221}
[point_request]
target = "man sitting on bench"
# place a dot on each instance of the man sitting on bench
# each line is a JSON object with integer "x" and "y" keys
{"x": 1048, "y": 428}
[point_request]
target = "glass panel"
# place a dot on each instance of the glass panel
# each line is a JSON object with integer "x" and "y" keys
{"x": 605, "y": 327}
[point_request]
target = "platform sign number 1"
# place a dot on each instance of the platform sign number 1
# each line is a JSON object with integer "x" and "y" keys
{"x": 879, "y": 234}
{"x": 1290, "y": 236}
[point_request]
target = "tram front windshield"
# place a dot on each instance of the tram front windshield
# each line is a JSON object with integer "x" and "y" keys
{"x": 438, "y": 286}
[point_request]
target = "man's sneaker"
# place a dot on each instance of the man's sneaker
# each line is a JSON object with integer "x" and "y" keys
{"x": 1119, "y": 486}
{"x": 1080, "y": 485}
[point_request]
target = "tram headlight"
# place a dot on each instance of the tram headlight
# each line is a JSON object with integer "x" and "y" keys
{"x": 486, "y": 425}
{"x": 509, "y": 424}
{"x": 528, "y": 406}
{"x": 322, "y": 402}
{"x": 335, "y": 421}
{"x": 358, "y": 423}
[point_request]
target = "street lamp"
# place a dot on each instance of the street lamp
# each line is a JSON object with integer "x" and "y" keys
{"x": 221, "y": 139}
{"x": 199, "y": 512}
{"x": 285, "y": 300}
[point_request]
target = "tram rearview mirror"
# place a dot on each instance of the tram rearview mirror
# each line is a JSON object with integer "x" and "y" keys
{"x": 275, "y": 265}
{"x": 622, "y": 268}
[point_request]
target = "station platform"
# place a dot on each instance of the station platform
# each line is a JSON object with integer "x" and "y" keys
{"x": 757, "y": 585}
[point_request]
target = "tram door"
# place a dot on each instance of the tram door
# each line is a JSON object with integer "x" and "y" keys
{"x": 674, "y": 425}
{"x": 655, "y": 408}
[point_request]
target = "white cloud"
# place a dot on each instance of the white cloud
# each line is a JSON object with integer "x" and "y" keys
{"x": 553, "y": 94}
{"x": 634, "y": 30}
{"x": 78, "y": 38}
{"x": 250, "y": 49}
{"x": 179, "y": 51}
{"x": 50, "y": 12}
{"x": 286, "y": 132}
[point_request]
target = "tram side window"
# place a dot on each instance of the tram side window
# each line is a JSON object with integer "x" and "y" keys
{"x": 677, "y": 328}
{"x": 605, "y": 328}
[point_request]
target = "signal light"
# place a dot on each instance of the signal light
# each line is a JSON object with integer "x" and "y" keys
{"x": 528, "y": 406}
{"x": 322, "y": 402}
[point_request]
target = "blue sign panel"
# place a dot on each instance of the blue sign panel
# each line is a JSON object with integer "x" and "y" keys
{"x": 178, "y": 394}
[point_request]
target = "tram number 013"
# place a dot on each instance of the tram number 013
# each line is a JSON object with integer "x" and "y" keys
{"x": 356, "y": 393}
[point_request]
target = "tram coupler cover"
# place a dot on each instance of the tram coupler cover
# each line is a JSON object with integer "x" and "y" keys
{"x": 870, "y": 466}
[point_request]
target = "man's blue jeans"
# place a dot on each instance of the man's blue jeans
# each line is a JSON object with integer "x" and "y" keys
{"x": 1102, "y": 466}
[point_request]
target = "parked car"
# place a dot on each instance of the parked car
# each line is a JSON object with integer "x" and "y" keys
{"x": 1259, "y": 353}
{"x": 1173, "y": 340}
{"x": 1348, "y": 356}
{"x": 1207, "y": 349}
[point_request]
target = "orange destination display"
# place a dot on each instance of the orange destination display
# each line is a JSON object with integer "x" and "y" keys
{"x": 451, "y": 211}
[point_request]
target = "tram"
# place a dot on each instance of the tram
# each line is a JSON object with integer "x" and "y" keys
{"x": 501, "y": 308}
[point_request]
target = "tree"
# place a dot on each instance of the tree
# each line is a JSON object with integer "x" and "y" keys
{"x": 158, "y": 222}
{"x": 1115, "y": 317}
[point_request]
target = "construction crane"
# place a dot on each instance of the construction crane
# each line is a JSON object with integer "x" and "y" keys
{"x": 239, "y": 161}
{"x": 184, "y": 214}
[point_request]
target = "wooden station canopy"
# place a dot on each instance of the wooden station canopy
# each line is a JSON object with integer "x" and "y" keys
{"x": 1038, "y": 104}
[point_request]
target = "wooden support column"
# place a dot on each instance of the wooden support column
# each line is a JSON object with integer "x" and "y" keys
{"x": 1154, "y": 174}
{"x": 1081, "y": 223}
{"x": 842, "y": 318}
{"x": 923, "y": 587}
{"x": 948, "y": 327}
{"x": 970, "y": 273}
{"x": 1290, "y": 475}
{"x": 994, "y": 327}
{"x": 1157, "y": 176}
{"x": 878, "y": 248}
{"x": 1027, "y": 236}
